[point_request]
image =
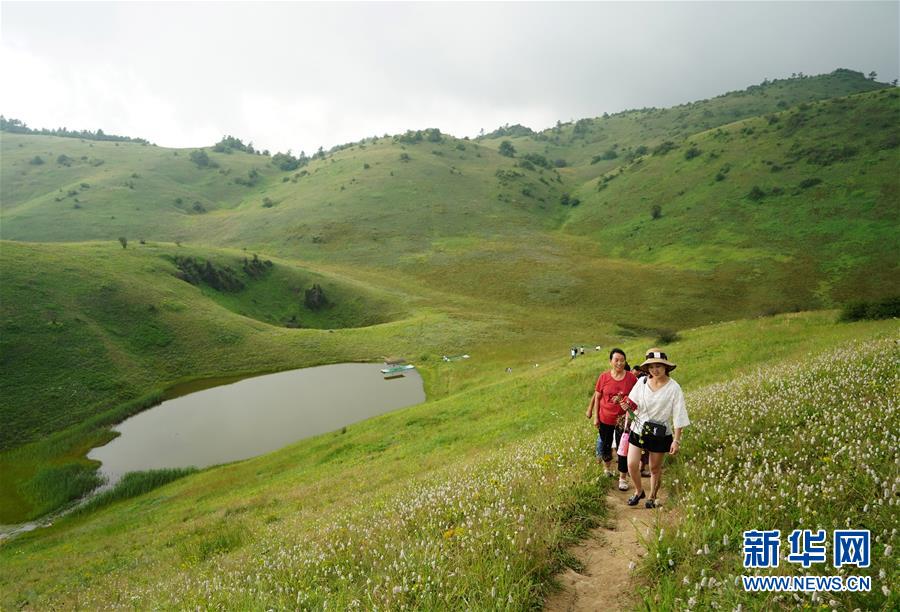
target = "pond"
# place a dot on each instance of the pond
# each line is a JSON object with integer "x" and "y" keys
{"x": 253, "y": 416}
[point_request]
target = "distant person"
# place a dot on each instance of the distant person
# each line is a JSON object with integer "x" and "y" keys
{"x": 604, "y": 410}
{"x": 581, "y": 350}
{"x": 660, "y": 418}
{"x": 574, "y": 352}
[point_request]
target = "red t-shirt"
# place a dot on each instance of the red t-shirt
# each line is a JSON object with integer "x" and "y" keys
{"x": 607, "y": 387}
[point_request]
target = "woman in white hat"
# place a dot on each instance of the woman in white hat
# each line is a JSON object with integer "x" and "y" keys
{"x": 660, "y": 417}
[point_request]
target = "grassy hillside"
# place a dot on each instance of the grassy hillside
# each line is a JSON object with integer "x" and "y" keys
{"x": 808, "y": 194}
{"x": 428, "y": 245}
{"x": 586, "y": 144}
{"x": 438, "y": 500}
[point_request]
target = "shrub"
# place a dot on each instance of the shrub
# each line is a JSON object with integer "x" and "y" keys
{"x": 887, "y": 308}
{"x": 404, "y": 157}
{"x": 200, "y": 158}
{"x": 720, "y": 176}
{"x": 37, "y": 160}
{"x": 606, "y": 155}
{"x": 692, "y": 153}
{"x": 810, "y": 182}
{"x": 527, "y": 165}
{"x": 667, "y": 336}
{"x": 123, "y": 241}
{"x": 560, "y": 163}
{"x": 664, "y": 148}
{"x": 537, "y": 159}
{"x": 64, "y": 160}
{"x": 756, "y": 194}
{"x": 314, "y": 298}
{"x": 507, "y": 149}
{"x": 656, "y": 211}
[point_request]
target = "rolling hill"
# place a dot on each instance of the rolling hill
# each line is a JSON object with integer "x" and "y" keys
{"x": 128, "y": 268}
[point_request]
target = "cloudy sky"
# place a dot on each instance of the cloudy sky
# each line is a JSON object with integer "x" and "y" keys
{"x": 300, "y": 75}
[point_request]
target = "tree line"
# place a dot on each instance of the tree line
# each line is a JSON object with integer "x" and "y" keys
{"x": 17, "y": 126}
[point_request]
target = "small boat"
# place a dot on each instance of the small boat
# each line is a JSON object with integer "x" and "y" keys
{"x": 395, "y": 369}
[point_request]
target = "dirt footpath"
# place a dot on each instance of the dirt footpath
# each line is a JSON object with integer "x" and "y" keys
{"x": 607, "y": 554}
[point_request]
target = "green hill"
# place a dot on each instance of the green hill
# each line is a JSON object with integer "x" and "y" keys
{"x": 438, "y": 489}
{"x": 620, "y": 230}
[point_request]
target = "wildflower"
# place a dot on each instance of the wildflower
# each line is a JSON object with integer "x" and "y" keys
{"x": 888, "y": 550}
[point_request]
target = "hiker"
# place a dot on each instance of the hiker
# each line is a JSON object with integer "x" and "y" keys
{"x": 581, "y": 350}
{"x": 574, "y": 352}
{"x": 605, "y": 412}
{"x": 645, "y": 456}
{"x": 660, "y": 418}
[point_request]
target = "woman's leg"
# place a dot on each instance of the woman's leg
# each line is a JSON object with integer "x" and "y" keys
{"x": 606, "y": 434}
{"x": 634, "y": 468}
{"x": 599, "y": 449}
{"x": 656, "y": 463}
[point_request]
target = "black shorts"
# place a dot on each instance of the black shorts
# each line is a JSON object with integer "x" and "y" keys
{"x": 654, "y": 444}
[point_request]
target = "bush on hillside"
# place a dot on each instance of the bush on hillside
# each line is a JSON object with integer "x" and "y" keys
{"x": 566, "y": 200}
{"x": 230, "y": 143}
{"x": 825, "y": 156}
{"x": 256, "y": 268}
{"x": 200, "y": 157}
{"x": 196, "y": 271}
{"x": 37, "y": 160}
{"x": 656, "y": 211}
{"x": 667, "y": 336}
{"x": 606, "y": 155}
{"x": 560, "y": 163}
{"x": 887, "y": 308}
{"x": 756, "y": 194}
{"x": 64, "y": 160}
{"x": 665, "y": 147}
{"x": 692, "y": 153}
{"x": 314, "y": 298}
{"x": 287, "y": 162}
{"x": 537, "y": 159}
{"x": 250, "y": 181}
{"x": 810, "y": 182}
{"x": 507, "y": 149}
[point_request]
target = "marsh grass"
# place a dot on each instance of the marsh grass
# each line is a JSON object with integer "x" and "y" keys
{"x": 133, "y": 484}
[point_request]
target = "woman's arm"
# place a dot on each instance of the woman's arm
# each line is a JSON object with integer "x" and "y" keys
{"x": 676, "y": 442}
{"x": 592, "y": 405}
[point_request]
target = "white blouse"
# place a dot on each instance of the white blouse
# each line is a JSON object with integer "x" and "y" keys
{"x": 665, "y": 405}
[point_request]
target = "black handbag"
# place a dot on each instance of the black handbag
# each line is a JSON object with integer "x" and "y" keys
{"x": 654, "y": 429}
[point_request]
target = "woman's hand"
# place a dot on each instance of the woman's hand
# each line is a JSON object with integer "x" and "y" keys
{"x": 676, "y": 446}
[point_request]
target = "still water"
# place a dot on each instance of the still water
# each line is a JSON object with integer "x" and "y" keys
{"x": 253, "y": 416}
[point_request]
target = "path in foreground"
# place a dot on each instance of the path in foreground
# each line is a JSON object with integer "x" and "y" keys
{"x": 607, "y": 555}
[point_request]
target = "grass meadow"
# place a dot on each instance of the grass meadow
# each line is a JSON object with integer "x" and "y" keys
{"x": 776, "y": 205}
{"x": 437, "y": 505}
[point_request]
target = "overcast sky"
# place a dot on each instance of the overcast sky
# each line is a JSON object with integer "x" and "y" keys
{"x": 300, "y": 75}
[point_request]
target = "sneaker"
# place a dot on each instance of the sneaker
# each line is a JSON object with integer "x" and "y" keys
{"x": 637, "y": 497}
{"x": 623, "y": 485}
{"x": 650, "y": 503}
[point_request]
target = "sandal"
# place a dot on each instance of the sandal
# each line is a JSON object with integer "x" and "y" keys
{"x": 650, "y": 503}
{"x": 634, "y": 499}
{"x": 623, "y": 485}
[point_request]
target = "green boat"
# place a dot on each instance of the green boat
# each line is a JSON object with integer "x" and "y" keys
{"x": 397, "y": 368}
